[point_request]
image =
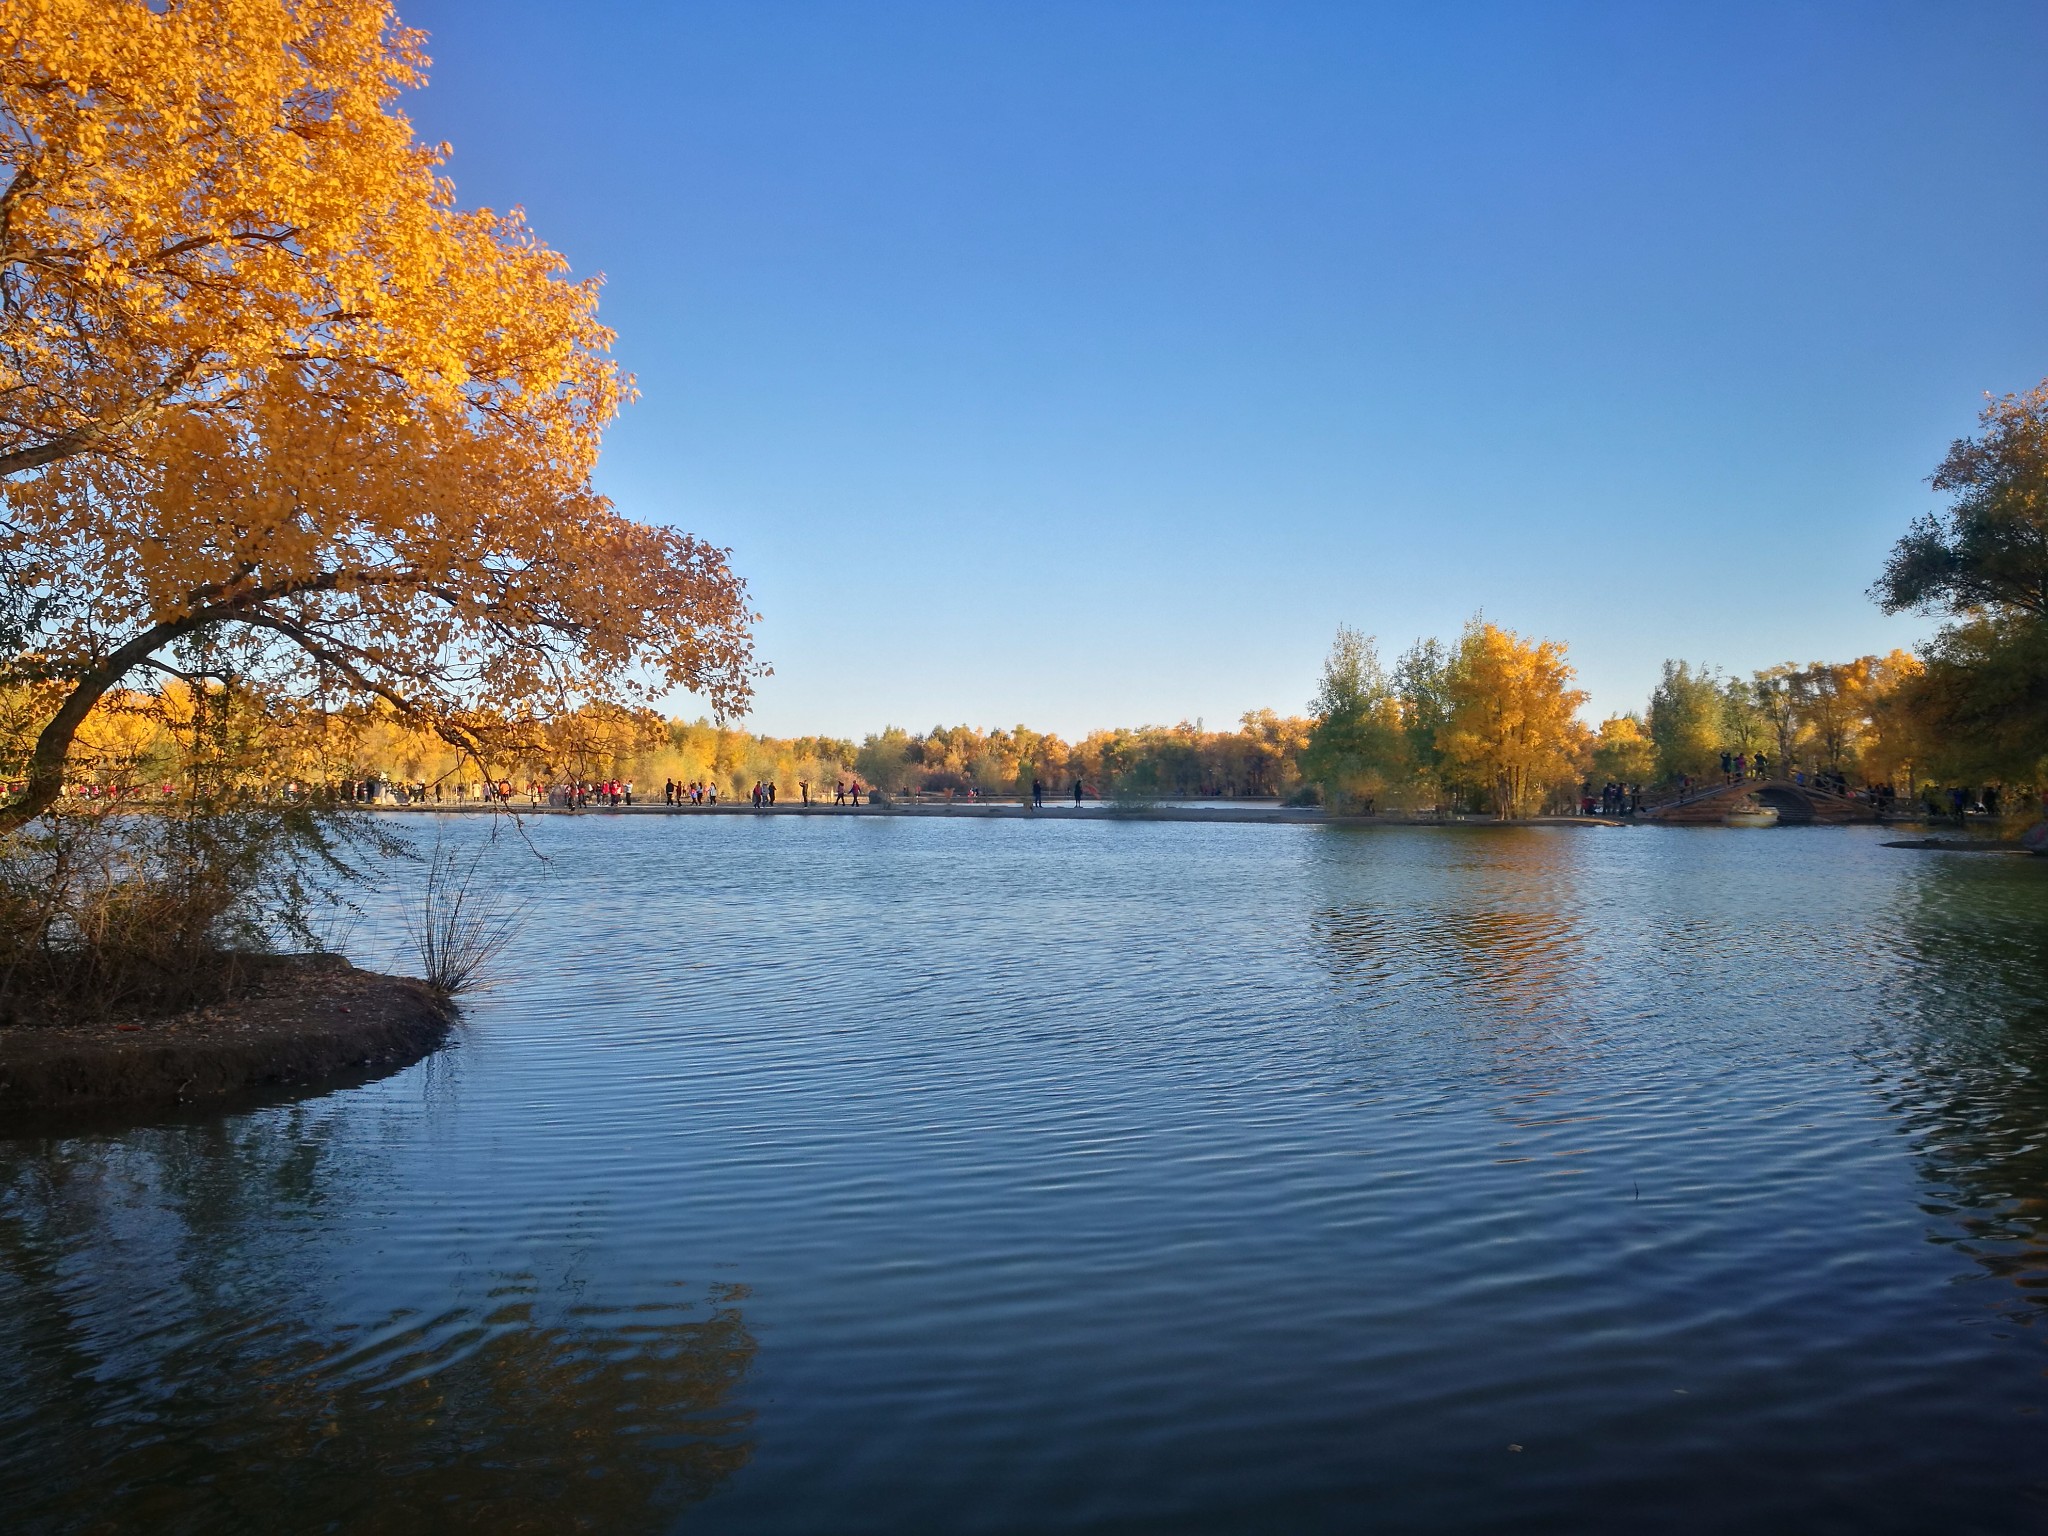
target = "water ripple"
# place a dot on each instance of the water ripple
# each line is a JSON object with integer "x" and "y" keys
{"x": 999, "y": 1176}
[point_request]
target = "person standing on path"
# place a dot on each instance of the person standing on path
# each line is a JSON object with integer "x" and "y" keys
{"x": 1037, "y": 793}
{"x": 1077, "y": 794}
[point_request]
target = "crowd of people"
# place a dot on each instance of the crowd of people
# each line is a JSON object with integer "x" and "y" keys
{"x": 1614, "y": 799}
{"x": 578, "y": 796}
{"x": 1739, "y": 766}
{"x": 762, "y": 796}
{"x": 572, "y": 795}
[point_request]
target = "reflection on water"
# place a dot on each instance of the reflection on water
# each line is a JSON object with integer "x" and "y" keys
{"x": 1965, "y": 1069}
{"x": 1495, "y": 953}
{"x": 165, "y": 1364}
{"x": 1104, "y": 1176}
{"x": 1505, "y": 979}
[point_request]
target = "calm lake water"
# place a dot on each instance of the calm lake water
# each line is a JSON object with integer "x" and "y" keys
{"x": 877, "y": 1175}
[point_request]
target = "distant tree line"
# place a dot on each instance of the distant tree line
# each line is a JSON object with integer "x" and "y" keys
{"x": 1488, "y": 722}
{"x": 1491, "y": 720}
{"x": 134, "y": 745}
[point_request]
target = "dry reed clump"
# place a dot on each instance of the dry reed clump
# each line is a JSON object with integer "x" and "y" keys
{"x": 462, "y": 922}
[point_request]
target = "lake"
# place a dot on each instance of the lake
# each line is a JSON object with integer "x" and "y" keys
{"x": 887, "y": 1175}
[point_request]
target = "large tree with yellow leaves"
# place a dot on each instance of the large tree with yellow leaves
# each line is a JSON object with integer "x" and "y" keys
{"x": 1513, "y": 722}
{"x": 264, "y": 387}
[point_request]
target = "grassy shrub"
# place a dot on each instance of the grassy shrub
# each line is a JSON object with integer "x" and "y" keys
{"x": 123, "y": 911}
{"x": 1135, "y": 790}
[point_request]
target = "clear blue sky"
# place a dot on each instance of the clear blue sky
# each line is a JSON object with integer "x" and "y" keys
{"x": 1089, "y": 364}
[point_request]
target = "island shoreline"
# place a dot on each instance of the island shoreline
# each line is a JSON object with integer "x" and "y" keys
{"x": 308, "y": 1024}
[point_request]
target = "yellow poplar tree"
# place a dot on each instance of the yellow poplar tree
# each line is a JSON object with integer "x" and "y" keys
{"x": 266, "y": 392}
{"x": 1624, "y": 752}
{"x": 1832, "y": 708}
{"x": 1512, "y": 724}
{"x": 198, "y": 191}
{"x": 1895, "y": 746}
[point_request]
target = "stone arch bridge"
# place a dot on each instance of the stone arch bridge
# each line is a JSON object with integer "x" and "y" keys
{"x": 1796, "y": 804}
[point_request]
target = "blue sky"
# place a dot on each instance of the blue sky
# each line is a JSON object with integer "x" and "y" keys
{"x": 1089, "y": 364}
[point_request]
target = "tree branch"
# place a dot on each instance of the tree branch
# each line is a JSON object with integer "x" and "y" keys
{"x": 90, "y": 434}
{"x": 53, "y": 746}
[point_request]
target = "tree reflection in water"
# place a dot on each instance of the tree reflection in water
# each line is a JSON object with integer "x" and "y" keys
{"x": 1490, "y": 953}
{"x": 160, "y": 1370}
{"x": 1484, "y": 967}
{"x": 1944, "y": 997}
{"x": 1966, "y": 1067}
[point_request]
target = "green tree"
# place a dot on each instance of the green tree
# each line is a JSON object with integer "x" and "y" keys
{"x": 1980, "y": 707}
{"x": 1423, "y": 679}
{"x": 1686, "y": 710}
{"x": 1983, "y": 565}
{"x": 1357, "y": 749}
{"x": 1744, "y": 724}
{"x": 1778, "y": 697}
{"x": 885, "y": 760}
{"x": 1988, "y": 553}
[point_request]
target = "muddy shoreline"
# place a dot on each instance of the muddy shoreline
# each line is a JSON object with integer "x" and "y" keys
{"x": 307, "y": 1024}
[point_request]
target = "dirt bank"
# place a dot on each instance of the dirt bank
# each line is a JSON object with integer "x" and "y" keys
{"x": 306, "y": 1022}
{"x": 1964, "y": 845}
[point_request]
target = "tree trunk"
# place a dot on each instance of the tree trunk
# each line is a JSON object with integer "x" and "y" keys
{"x": 53, "y": 747}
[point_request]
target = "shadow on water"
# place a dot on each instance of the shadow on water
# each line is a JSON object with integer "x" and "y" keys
{"x": 163, "y": 1368}
{"x": 45, "y": 1123}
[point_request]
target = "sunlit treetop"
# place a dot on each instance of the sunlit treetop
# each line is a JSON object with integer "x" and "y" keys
{"x": 197, "y": 192}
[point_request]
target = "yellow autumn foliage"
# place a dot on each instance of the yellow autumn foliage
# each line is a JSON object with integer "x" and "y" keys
{"x": 1623, "y": 752}
{"x": 273, "y": 407}
{"x": 1513, "y": 723}
{"x": 199, "y": 192}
